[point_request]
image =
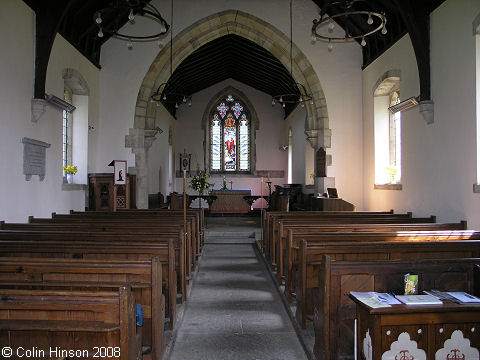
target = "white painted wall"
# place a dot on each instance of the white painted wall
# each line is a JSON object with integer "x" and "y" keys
{"x": 20, "y": 198}
{"x": 339, "y": 73}
{"x": 438, "y": 160}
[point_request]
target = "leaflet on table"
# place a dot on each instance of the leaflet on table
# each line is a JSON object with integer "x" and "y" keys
{"x": 464, "y": 297}
{"x": 458, "y": 297}
{"x": 419, "y": 299}
{"x": 382, "y": 298}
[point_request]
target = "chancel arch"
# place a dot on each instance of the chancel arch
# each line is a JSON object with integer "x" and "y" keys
{"x": 198, "y": 34}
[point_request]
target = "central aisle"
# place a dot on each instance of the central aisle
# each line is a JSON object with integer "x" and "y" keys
{"x": 234, "y": 311}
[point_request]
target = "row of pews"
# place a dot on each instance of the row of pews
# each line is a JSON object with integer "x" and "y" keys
{"x": 96, "y": 284}
{"x": 319, "y": 257}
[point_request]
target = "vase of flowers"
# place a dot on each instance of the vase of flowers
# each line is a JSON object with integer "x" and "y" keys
{"x": 224, "y": 187}
{"x": 70, "y": 170}
{"x": 199, "y": 182}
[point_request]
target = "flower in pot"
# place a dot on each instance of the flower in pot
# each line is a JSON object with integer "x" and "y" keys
{"x": 70, "y": 170}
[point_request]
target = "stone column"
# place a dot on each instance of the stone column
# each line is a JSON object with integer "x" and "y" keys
{"x": 140, "y": 141}
{"x": 321, "y": 138}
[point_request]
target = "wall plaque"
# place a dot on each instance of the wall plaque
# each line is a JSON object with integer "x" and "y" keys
{"x": 34, "y": 158}
{"x": 321, "y": 163}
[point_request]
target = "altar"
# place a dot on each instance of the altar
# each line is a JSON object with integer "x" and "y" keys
{"x": 230, "y": 201}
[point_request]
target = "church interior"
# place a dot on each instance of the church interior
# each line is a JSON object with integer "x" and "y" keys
{"x": 243, "y": 166}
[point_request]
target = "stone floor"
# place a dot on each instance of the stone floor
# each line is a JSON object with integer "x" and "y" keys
{"x": 234, "y": 310}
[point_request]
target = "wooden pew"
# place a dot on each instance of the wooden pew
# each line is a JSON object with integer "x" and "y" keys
{"x": 372, "y": 246}
{"x": 335, "y": 312}
{"x": 145, "y": 278}
{"x": 192, "y": 218}
{"x": 269, "y": 217}
{"x": 103, "y": 251}
{"x": 70, "y": 320}
{"x": 352, "y": 218}
{"x": 126, "y": 237}
{"x": 199, "y": 214}
{"x": 190, "y": 250}
{"x": 286, "y": 232}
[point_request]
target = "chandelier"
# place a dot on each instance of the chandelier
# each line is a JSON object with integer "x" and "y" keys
{"x": 164, "y": 92}
{"x": 323, "y": 28}
{"x": 111, "y": 19}
{"x": 300, "y": 94}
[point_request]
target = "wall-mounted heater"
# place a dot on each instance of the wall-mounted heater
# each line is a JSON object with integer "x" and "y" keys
{"x": 62, "y": 104}
{"x": 404, "y": 105}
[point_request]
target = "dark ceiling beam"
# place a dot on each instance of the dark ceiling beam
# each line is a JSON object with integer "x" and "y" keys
{"x": 49, "y": 15}
{"x": 416, "y": 16}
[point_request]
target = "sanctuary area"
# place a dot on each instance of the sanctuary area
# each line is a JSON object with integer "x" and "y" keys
{"x": 229, "y": 179}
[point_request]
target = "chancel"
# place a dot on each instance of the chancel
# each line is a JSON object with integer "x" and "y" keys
{"x": 268, "y": 158}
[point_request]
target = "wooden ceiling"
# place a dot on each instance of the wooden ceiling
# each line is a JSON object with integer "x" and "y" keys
{"x": 231, "y": 56}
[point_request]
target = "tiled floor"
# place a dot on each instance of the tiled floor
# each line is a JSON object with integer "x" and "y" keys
{"x": 234, "y": 310}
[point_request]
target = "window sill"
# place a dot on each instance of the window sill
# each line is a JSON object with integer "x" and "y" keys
{"x": 476, "y": 188}
{"x": 387, "y": 186}
{"x": 74, "y": 187}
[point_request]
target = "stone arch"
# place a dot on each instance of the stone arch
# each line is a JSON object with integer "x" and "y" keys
{"x": 207, "y": 115}
{"x": 389, "y": 81}
{"x": 200, "y": 33}
{"x": 75, "y": 81}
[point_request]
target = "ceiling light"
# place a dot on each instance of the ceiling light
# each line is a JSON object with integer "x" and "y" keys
{"x": 370, "y": 20}
{"x": 342, "y": 12}
{"x": 100, "y": 33}
{"x": 165, "y": 93}
{"x": 116, "y": 13}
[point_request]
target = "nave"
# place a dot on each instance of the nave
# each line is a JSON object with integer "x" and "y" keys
{"x": 234, "y": 310}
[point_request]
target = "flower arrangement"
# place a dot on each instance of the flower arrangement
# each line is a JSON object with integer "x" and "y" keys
{"x": 224, "y": 187}
{"x": 199, "y": 182}
{"x": 392, "y": 171}
{"x": 70, "y": 169}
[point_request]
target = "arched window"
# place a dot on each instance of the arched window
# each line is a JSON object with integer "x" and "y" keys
{"x": 230, "y": 137}
{"x": 387, "y": 131}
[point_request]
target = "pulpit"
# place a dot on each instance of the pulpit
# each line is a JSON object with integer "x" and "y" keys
{"x": 230, "y": 201}
{"x": 104, "y": 195}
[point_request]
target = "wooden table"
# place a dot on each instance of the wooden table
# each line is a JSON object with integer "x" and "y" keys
{"x": 230, "y": 201}
{"x": 414, "y": 332}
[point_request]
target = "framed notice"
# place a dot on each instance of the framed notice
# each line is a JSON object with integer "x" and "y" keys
{"x": 120, "y": 172}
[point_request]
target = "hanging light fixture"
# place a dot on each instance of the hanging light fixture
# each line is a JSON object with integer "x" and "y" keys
{"x": 322, "y": 28}
{"x": 110, "y": 20}
{"x": 300, "y": 95}
{"x": 163, "y": 93}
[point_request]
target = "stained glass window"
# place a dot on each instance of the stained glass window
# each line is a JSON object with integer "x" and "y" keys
{"x": 230, "y": 137}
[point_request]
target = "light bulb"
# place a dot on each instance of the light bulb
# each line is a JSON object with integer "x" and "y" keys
{"x": 190, "y": 102}
{"x": 302, "y": 104}
{"x": 129, "y": 45}
{"x": 176, "y": 105}
{"x": 100, "y": 33}
{"x": 331, "y": 26}
{"x": 98, "y": 20}
{"x": 184, "y": 99}
{"x": 311, "y": 102}
{"x": 163, "y": 29}
{"x": 330, "y": 46}
{"x": 363, "y": 43}
{"x": 164, "y": 97}
{"x": 370, "y": 20}
{"x": 384, "y": 30}
{"x": 273, "y": 101}
{"x": 131, "y": 17}
{"x": 281, "y": 98}
{"x": 314, "y": 38}
{"x": 283, "y": 105}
